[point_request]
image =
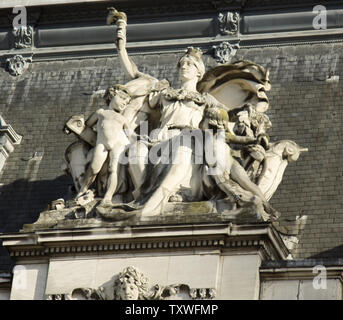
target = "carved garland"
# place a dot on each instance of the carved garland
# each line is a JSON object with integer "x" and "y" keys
{"x": 131, "y": 284}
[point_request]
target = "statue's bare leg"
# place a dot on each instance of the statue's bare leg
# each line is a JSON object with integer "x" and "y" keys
{"x": 239, "y": 175}
{"x": 112, "y": 181}
{"x": 99, "y": 158}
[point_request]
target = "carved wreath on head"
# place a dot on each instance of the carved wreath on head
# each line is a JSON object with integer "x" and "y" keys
{"x": 131, "y": 275}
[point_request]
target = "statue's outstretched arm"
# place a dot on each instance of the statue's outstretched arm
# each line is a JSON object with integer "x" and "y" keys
{"x": 120, "y": 19}
{"x": 128, "y": 65}
{"x": 229, "y": 137}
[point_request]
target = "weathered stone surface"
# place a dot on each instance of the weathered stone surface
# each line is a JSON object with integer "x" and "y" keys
{"x": 89, "y": 216}
{"x": 300, "y": 290}
{"x": 206, "y": 257}
{"x": 29, "y": 282}
{"x": 174, "y": 272}
{"x": 239, "y": 283}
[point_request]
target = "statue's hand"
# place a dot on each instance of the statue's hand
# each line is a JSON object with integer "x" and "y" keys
{"x": 114, "y": 15}
{"x": 263, "y": 139}
{"x": 147, "y": 140}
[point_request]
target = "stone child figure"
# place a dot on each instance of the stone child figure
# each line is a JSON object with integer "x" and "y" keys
{"x": 113, "y": 136}
{"x": 217, "y": 119}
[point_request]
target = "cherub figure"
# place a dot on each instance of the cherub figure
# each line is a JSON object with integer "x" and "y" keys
{"x": 217, "y": 119}
{"x": 113, "y": 136}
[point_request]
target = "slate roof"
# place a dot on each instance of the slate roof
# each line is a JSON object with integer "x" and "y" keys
{"x": 308, "y": 109}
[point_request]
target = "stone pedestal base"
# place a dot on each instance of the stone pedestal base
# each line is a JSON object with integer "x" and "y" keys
{"x": 218, "y": 260}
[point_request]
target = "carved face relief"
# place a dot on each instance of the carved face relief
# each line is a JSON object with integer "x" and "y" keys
{"x": 187, "y": 70}
{"x": 128, "y": 290}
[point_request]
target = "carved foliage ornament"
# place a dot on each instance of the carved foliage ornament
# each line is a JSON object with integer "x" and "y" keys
{"x": 228, "y": 23}
{"x": 17, "y": 64}
{"x": 224, "y": 52}
{"x": 23, "y": 37}
{"x": 131, "y": 284}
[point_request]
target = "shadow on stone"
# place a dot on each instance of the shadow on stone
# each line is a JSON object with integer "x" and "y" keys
{"x": 22, "y": 201}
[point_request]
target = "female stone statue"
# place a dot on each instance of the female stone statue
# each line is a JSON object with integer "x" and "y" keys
{"x": 187, "y": 149}
{"x": 181, "y": 114}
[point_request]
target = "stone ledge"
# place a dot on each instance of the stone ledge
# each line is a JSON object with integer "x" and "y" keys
{"x": 308, "y": 263}
{"x": 226, "y": 237}
{"x": 305, "y": 273}
{"x": 31, "y": 3}
{"x": 87, "y": 216}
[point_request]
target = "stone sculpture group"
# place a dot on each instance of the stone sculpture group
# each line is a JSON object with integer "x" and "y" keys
{"x": 151, "y": 144}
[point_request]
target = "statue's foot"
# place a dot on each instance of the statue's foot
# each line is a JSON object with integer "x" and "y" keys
{"x": 274, "y": 214}
{"x": 82, "y": 193}
{"x": 79, "y": 195}
{"x": 175, "y": 198}
{"x": 106, "y": 203}
{"x": 114, "y": 214}
{"x": 83, "y": 198}
{"x": 125, "y": 207}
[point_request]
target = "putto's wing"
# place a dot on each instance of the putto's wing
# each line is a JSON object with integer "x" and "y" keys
{"x": 238, "y": 83}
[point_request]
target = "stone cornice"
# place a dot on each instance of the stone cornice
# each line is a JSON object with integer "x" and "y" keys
{"x": 224, "y": 237}
{"x": 90, "y": 38}
{"x": 8, "y": 131}
{"x": 215, "y": 3}
{"x": 81, "y": 32}
{"x": 299, "y": 273}
{"x": 31, "y": 3}
{"x": 8, "y": 139}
